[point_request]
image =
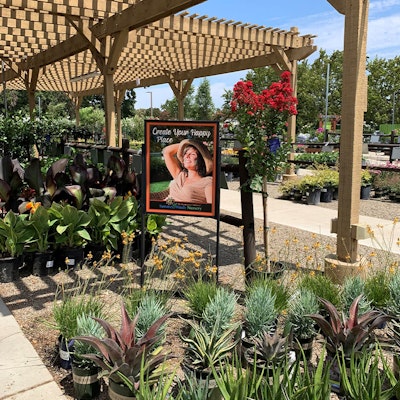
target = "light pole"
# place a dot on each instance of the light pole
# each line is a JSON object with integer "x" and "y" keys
{"x": 151, "y": 104}
{"x": 394, "y": 107}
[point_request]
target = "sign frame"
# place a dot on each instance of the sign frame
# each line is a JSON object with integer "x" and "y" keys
{"x": 158, "y": 135}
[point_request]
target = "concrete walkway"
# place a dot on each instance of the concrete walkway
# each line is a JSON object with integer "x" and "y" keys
{"x": 312, "y": 218}
{"x": 23, "y": 376}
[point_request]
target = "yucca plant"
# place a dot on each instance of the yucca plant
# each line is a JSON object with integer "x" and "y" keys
{"x": 205, "y": 348}
{"x": 348, "y": 334}
{"x": 122, "y": 356}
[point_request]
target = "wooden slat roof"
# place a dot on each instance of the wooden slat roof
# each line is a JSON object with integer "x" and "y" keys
{"x": 52, "y": 41}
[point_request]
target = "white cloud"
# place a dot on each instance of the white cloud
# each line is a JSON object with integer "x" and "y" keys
{"x": 383, "y": 34}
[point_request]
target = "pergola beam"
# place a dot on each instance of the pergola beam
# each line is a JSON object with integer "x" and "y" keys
{"x": 339, "y": 5}
{"x": 141, "y": 14}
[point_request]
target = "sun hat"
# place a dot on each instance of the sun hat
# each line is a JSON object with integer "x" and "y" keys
{"x": 201, "y": 148}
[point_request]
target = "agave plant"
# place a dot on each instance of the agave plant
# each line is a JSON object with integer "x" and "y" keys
{"x": 122, "y": 357}
{"x": 268, "y": 349}
{"x": 348, "y": 334}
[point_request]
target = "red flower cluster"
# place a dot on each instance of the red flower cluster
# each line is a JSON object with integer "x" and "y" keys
{"x": 263, "y": 107}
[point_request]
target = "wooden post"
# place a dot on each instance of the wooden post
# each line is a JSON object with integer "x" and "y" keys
{"x": 249, "y": 242}
{"x": 109, "y": 109}
{"x": 354, "y": 101}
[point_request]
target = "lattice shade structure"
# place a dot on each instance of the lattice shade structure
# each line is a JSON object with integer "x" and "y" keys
{"x": 86, "y": 47}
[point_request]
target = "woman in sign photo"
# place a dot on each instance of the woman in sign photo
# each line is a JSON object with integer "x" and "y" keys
{"x": 190, "y": 165}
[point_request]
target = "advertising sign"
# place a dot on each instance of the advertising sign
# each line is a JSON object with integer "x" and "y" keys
{"x": 181, "y": 167}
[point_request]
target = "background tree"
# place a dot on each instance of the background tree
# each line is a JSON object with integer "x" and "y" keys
{"x": 128, "y": 105}
{"x": 383, "y": 83}
{"x": 92, "y": 119}
{"x": 171, "y": 106}
{"x": 203, "y": 107}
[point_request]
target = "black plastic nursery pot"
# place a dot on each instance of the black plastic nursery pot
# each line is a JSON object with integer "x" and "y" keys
{"x": 42, "y": 264}
{"x": 68, "y": 258}
{"x": 9, "y": 268}
{"x": 86, "y": 382}
{"x": 118, "y": 391}
{"x": 65, "y": 348}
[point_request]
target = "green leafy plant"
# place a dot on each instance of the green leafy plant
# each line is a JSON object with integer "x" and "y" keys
{"x": 393, "y": 305}
{"x": 377, "y": 288}
{"x": 40, "y": 223}
{"x": 71, "y": 225}
{"x": 321, "y": 286}
{"x": 155, "y": 224}
{"x": 347, "y": 334}
{"x": 123, "y": 357}
{"x": 366, "y": 177}
{"x": 70, "y": 306}
{"x": 14, "y": 234}
{"x": 100, "y": 228}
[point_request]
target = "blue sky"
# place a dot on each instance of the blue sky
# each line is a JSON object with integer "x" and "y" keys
{"x": 315, "y": 17}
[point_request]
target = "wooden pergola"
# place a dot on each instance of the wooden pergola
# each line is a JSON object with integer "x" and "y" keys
{"x": 106, "y": 47}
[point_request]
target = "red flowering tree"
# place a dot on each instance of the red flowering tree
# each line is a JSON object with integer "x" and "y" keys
{"x": 258, "y": 117}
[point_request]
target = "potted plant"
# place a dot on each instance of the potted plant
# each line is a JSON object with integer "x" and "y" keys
{"x": 102, "y": 236}
{"x": 330, "y": 179}
{"x": 259, "y": 118}
{"x": 366, "y": 184}
{"x": 198, "y": 293}
{"x": 123, "y": 357}
{"x": 302, "y": 303}
{"x": 353, "y": 287}
{"x": 310, "y": 186}
{"x": 40, "y": 224}
{"x": 85, "y": 373}
{"x": 219, "y": 311}
{"x": 71, "y": 234}
{"x": 68, "y": 305}
{"x": 150, "y": 307}
{"x": 14, "y": 235}
{"x": 322, "y": 287}
{"x": 377, "y": 289}
{"x": 347, "y": 334}
{"x": 206, "y": 350}
{"x": 260, "y": 314}
{"x": 268, "y": 352}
